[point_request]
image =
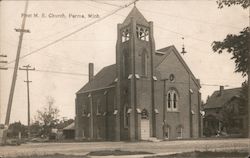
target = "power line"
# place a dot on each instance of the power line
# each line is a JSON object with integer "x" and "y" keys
{"x": 61, "y": 72}
{"x": 84, "y": 74}
{"x": 190, "y": 19}
{"x": 76, "y": 31}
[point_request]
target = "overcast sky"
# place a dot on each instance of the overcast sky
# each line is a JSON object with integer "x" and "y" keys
{"x": 199, "y": 22}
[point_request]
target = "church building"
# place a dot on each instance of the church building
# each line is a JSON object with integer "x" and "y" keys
{"x": 147, "y": 94}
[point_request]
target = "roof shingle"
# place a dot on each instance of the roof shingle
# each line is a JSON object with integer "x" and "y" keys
{"x": 217, "y": 99}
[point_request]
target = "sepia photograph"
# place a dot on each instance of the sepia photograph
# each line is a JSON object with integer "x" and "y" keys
{"x": 124, "y": 78}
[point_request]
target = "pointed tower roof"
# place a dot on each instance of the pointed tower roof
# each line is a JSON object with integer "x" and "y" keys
{"x": 137, "y": 15}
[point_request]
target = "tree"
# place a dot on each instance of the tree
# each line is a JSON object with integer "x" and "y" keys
{"x": 244, "y": 3}
{"x": 48, "y": 117}
{"x": 15, "y": 128}
{"x": 239, "y": 46}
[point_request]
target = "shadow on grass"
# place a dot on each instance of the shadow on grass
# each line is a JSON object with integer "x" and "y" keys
{"x": 117, "y": 152}
{"x": 205, "y": 154}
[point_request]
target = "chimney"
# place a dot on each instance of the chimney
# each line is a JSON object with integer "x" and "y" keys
{"x": 91, "y": 71}
{"x": 221, "y": 90}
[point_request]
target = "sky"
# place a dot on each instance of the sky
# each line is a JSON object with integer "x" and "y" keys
{"x": 200, "y": 22}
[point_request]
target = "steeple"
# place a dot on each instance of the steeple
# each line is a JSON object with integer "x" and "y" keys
{"x": 137, "y": 15}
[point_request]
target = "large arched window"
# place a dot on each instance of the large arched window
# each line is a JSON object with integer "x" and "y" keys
{"x": 172, "y": 100}
{"x": 125, "y": 63}
{"x": 126, "y": 112}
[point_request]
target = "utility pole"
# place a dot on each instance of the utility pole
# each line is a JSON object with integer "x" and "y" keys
{"x": 27, "y": 69}
{"x": 3, "y": 61}
{"x": 12, "y": 89}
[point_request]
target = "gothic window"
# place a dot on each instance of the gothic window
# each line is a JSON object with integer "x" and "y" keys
{"x": 172, "y": 100}
{"x": 169, "y": 100}
{"x": 125, "y": 64}
{"x": 144, "y": 64}
{"x": 84, "y": 110}
{"x": 98, "y": 107}
{"x": 142, "y": 33}
{"x": 126, "y": 116}
{"x": 125, "y": 35}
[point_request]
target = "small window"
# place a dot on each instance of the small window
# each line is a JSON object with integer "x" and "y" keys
{"x": 179, "y": 132}
{"x": 171, "y": 77}
{"x": 125, "y": 35}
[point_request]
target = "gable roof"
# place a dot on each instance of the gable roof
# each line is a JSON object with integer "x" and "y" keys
{"x": 105, "y": 77}
{"x": 137, "y": 15}
{"x": 167, "y": 51}
{"x": 218, "y": 99}
{"x": 70, "y": 127}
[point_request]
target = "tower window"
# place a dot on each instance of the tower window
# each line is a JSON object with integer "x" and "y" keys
{"x": 144, "y": 64}
{"x": 125, "y": 64}
{"x": 142, "y": 33}
{"x": 172, "y": 100}
{"x": 98, "y": 107}
{"x": 125, "y": 35}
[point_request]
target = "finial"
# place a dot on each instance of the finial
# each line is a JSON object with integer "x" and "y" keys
{"x": 183, "y": 47}
{"x": 135, "y": 3}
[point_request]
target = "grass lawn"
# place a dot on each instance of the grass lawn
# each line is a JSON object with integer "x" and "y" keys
{"x": 195, "y": 154}
{"x": 49, "y": 156}
{"x": 93, "y": 153}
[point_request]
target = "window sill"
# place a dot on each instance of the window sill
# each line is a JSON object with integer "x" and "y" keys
{"x": 171, "y": 111}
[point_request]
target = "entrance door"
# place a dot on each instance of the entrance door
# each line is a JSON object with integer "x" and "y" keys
{"x": 145, "y": 134}
{"x": 144, "y": 129}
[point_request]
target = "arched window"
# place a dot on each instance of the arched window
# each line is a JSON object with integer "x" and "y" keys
{"x": 126, "y": 112}
{"x": 142, "y": 33}
{"x": 169, "y": 100}
{"x": 172, "y": 100}
{"x": 125, "y": 35}
{"x": 144, "y": 62}
{"x": 125, "y": 64}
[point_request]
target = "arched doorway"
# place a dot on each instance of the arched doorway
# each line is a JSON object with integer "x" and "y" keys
{"x": 145, "y": 134}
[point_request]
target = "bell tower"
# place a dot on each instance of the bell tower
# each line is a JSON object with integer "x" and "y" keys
{"x": 135, "y": 49}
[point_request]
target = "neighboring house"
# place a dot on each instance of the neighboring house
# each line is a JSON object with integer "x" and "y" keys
{"x": 69, "y": 131}
{"x": 147, "y": 93}
{"x": 225, "y": 112}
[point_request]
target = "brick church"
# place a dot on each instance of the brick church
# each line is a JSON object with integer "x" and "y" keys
{"x": 146, "y": 94}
